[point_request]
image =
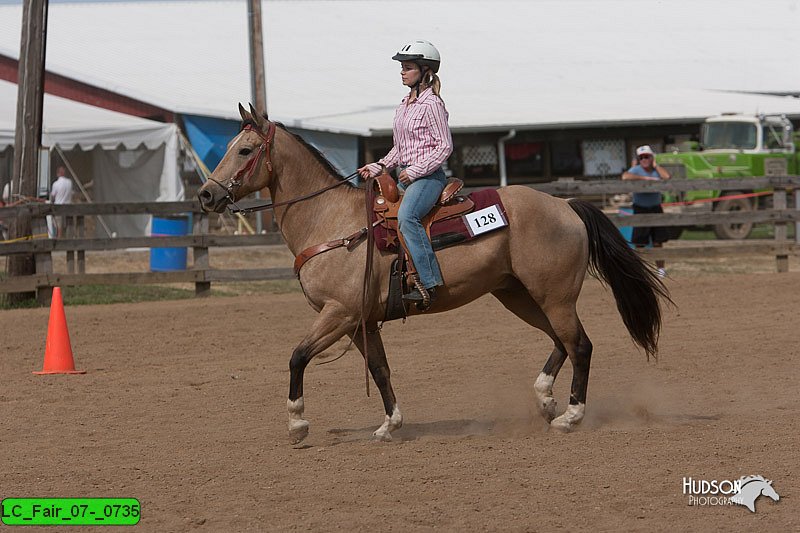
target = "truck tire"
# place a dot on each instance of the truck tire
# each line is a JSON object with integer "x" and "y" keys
{"x": 733, "y": 231}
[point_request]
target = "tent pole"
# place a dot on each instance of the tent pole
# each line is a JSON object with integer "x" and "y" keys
{"x": 81, "y": 187}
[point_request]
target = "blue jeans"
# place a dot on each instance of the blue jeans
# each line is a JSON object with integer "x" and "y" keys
{"x": 420, "y": 197}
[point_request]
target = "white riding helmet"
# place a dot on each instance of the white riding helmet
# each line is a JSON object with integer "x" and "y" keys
{"x": 423, "y": 53}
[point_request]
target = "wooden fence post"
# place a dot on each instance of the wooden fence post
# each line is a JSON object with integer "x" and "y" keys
{"x": 43, "y": 261}
{"x": 200, "y": 254}
{"x": 70, "y": 233}
{"x": 80, "y": 228}
{"x": 796, "y": 194}
{"x": 781, "y": 258}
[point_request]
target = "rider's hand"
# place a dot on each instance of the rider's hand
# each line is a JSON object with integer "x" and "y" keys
{"x": 403, "y": 178}
{"x": 364, "y": 171}
{"x": 370, "y": 170}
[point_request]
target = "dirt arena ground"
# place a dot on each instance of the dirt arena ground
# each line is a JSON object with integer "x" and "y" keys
{"x": 183, "y": 406}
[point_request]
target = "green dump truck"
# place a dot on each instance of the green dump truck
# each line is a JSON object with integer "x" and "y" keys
{"x": 731, "y": 146}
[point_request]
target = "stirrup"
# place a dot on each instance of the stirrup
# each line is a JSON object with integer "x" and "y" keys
{"x": 423, "y": 297}
{"x": 416, "y": 296}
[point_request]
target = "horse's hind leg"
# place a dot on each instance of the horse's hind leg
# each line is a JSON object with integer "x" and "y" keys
{"x": 330, "y": 326}
{"x": 568, "y": 328}
{"x": 379, "y": 368}
{"x": 519, "y": 302}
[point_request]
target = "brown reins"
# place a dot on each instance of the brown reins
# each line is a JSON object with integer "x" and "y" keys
{"x": 235, "y": 208}
{"x": 249, "y": 169}
{"x": 367, "y": 276}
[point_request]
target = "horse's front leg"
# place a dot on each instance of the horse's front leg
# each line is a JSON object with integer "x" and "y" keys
{"x": 379, "y": 368}
{"x": 332, "y": 324}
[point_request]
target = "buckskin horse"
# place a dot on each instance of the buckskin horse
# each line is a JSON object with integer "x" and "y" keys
{"x": 535, "y": 267}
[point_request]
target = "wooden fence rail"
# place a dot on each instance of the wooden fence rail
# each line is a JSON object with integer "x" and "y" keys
{"x": 583, "y": 188}
{"x": 202, "y": 274}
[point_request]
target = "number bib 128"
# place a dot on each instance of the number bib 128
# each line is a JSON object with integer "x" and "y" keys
{"x": 487, "y": 219}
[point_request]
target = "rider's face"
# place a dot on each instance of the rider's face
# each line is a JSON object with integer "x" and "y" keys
{"x": 410, "y": 73}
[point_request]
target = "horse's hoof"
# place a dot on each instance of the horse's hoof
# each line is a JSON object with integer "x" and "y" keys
{"x": 548, "y": 409}
{"x": 544, "y": 393}
{"x": 562, "y": 425}
{"x": 571, "y": 418}
{"x": 298, "y": 430}
{"x": 381, "y": 436}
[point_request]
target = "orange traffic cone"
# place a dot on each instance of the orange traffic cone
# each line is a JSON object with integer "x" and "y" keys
{"x": 58, "y": 352}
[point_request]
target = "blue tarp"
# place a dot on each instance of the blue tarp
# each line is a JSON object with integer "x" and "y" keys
{"x": 210, "y": 136}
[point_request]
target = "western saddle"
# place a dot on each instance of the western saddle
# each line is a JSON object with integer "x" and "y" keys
{"x": 388, "y": 198}
{"x": 386, "y": 204}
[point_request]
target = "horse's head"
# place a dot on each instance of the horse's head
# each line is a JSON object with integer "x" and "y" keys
{"x": 770, "y": 492}
{"x": 751, "y": 488}
{"x": 246, "y": 166}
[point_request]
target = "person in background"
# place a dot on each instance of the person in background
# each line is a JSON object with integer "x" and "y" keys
{"x": 422, "y": 143}
{"x": 3, "y": 202}
{"x": 645, "y": 168}
{"x": 61, "y": 193}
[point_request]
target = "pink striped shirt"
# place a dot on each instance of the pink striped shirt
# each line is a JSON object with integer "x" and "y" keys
{"x": 422, "y": 139}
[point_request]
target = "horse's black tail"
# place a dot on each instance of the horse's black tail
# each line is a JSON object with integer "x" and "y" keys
{"x": 635, "y": 283}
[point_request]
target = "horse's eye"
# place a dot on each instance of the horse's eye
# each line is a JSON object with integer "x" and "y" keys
{"x": 245, "y": 151}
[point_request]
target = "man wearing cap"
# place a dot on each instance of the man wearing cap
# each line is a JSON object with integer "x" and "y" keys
{"x": 645, "y": 168}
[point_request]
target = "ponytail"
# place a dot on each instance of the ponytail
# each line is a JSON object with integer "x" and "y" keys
{"x": 428, "y": 79}
{"x": 436, "y": 84}
{"x": 432, "y": 80}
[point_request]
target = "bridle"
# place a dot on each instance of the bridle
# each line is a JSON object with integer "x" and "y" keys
{"x": 249, "y": 168}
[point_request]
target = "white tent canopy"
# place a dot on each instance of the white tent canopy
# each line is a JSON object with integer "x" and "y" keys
{"x": 69, "y": 124}
{"x": 127, "y": 158}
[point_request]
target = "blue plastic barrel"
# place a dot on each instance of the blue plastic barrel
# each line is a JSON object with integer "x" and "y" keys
{"x": 168, "y": 259}
{"x": 627, "y": 231}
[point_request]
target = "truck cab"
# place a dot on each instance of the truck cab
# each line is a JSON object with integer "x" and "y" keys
{"x": 734, "y": 145}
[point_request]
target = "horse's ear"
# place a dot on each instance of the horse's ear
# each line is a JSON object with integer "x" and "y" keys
{"x": 259, "y": 120}
{"x": 242, "y": 112}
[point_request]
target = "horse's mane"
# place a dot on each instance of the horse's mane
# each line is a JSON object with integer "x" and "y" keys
{"x": 748, "y": 479}
{"x": 316, "y": 153}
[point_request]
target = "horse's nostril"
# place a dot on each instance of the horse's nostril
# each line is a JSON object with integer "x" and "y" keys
{"x": 205, "y": 197}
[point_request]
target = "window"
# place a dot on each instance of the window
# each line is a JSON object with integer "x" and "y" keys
{"x": 604, "y": 157}
{"x": 480, "y": 161}
{"x": 731, "y": 135}
{"x": 773, "y": 136}
{"x": 566, "y": 158}
{"x": 525, "y": 159}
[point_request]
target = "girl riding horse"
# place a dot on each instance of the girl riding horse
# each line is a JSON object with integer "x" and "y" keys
{"x": 422, "y": 143}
